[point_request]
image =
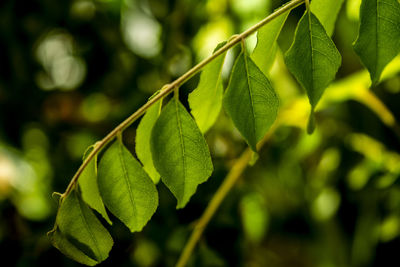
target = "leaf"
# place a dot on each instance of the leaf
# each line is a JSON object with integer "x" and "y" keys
{"x": 78, "y": 233}
{"x": 326, "y": 11}
{"x": 59, "y": 241}
{"x": 206, "y": 100}
{"x": 127, "y": 191}
{"x": 265, "y": 51}
{"x": 378, "y": 39}
{"x": 90, "y": 189}
{"x": 250, "y": 100}
{"x": 180, "y": 152}
{"x": 143, "y": 141}
{"x": 313, "y": 58}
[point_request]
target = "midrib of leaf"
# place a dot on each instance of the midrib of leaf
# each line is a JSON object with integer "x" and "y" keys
{"x": 312, "y": 53}
{"x": 178, "y": 118}
{"x": 120, "y": 154}
{"x": 250, "y": 94}
{"x": 88, "y": 229}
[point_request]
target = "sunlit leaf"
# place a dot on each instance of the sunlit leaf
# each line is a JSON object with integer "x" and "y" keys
{"x": 250, "y": 100}
{"x": 90, "y": 189}
{"x": 78, "y": 233}
{"x": 180, "y": 152}
{"x": 326, "y": 11}
{"x": 378, "y": 40}
{"x": 206, "y": 100}
{"x": 127, "y": 191}
{"x": 265, "y": 51}
{"x": 143, "y": 141}
{"x": 313, "y": 58}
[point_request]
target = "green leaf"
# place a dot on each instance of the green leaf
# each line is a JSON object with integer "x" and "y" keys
{"x": 78, "y": 233}
{"x": 265, "y": 51}
{"x": 313, "y": 58}
{"x": 90, "y": 189}
{"x": 127, "y": 191}
{"x": 206, "y": 100}
{"x": 60, "y": 241}
{"x": 378, "y": 40}
{"x": 250, "y": 100}
{"x": 180, "y": 152}
{"x": 143, "y": 141}
{"x": 326, "y": 11}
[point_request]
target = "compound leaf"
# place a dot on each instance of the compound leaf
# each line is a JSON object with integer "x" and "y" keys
{"x": 206, "y": 100}
{"x": 265, "y": 51}
{"x": 127, "y": 191}
{"x": 378, "y": 40}
{"x": 90, "y": 189}
{"x": 313, "y": 58}
{"x": 250, "y": 100}
{"x": 78, "y": 233}
{"x": 180, "y": 152}
{"x": 326, "y": 11}
{"x": 142, "y": 142}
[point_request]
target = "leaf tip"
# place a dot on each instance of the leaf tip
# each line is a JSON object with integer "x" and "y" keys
{"x": 311, "y": 123}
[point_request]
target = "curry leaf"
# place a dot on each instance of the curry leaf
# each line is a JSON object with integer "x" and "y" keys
{"x": 78, "y": 233}
{"x": 265, "y": 51}
{"x": 143, "y": 141}
{"x": 127, "y": 191}
{"x": 180, "y": 152}
{"x": 90, "y": 188}
{"x": 250, "y": 100}
{"x": 378, "y": 40}
{"x": 313, "y": 58}
{"x": 326, "y": 11}
{"x": 206, "y": 100}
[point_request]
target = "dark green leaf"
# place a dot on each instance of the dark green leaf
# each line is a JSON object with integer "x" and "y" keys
{"x": 206, "y": 100}
{"x": 378, "y": 40}
{"x": 326, "y": 11}
{"x": 127, "y": 191}
{"x": 313, "y": 58}
{"x": 265, "y": 51}
{"x": 250, "y": 100}
{"x": 143, "y": 141}
{"x": 60, "y": 241}
{"x": 90, "y": 189}
{"x": 78, "y": 233}
{"x": 180, "y": 152}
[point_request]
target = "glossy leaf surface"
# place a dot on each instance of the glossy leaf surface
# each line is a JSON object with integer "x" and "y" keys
{"x": 180, "y": 152}
{"x": 250, "y": 100}
{"x": 378, "y": 40}
{"x": 127, "y": 191}
{"x": 78, "y": 233}
{"x": 313, "y": 58}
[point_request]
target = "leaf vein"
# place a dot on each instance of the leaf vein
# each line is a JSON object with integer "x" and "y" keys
{"x": 126, "y": 179}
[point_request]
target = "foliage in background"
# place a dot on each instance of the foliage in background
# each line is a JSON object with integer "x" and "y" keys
{"x": 305, "y": 197}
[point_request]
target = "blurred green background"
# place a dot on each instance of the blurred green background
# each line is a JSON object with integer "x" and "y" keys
{"x": 71, "y": 70}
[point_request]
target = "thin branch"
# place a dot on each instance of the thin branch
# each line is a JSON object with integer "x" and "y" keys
{"x": 176, "y": 84}
{"x": 233, "y": 176}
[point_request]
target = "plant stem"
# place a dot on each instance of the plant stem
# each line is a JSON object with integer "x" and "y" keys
{"x": 168, "y": 88}
{"x": 233, "y": 176}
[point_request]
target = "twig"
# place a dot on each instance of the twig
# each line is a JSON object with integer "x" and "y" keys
{"x": 230, "y": 180}
{"x": 168, "y": 88}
